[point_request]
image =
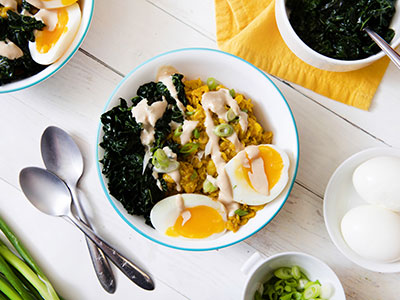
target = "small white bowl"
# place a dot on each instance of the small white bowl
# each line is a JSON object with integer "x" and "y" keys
{"x": 259, "y": 270}
{"x": 271, "y": 110}
{"x": 312, "y": 57}
{"x": 87, "y": 7}
{"x": 341, "y": 196}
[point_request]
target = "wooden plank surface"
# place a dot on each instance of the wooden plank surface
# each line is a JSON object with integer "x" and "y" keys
{"x": 73, "y": 100}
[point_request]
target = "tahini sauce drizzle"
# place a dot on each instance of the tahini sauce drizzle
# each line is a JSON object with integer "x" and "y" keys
{"x": 164, "y": 75}
{"x": 10, "y": 50}
{"x": 9, "y": 4}
{"x": 48, "y": 17}
{"x": 215, "y": 102}
{"x": 187, "y": 129}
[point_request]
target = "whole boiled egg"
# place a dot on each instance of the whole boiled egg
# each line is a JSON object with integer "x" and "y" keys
{"x": 377, "y": 181}
{"x": 258, "y": 174}
{"x": 373, "y": 232}
{"x": 56, "y": 37}
{"x": 190, "y": 216}
{"x": 50, "y": 4}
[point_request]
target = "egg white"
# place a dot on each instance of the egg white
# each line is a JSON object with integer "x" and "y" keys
{"x": 164, "y": 214}
{"x": 50, "y": 4}
{"x": 63, "y": 43}
{"x": 243, "y": 192}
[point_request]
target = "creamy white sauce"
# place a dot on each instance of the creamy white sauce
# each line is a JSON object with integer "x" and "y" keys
{"x": 164, "y": 75}
{"x": 48, "y": 17}
{"x": 212, "y": 180}
{"x": 187, "y": 129}
{"x": 36, "y": 3}
{"x": 171, "y": 154}
{"x": 158, "y": 183}
{"x": 10, "y": 50}
{"x": 180, "y": 204}
{"x": 176, "y": 177}
{"x": 9, "y": 4}
{"x": 186, "y": 215}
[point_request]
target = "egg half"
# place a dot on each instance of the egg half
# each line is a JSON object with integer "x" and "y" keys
{"x": 258, "y": 174}
{"x": 50, "y": 4}
{"x": 189, "y": 216}
{"x": 373, "y": 232}
{"x": 377, "y": 181}
{"x": 53, "y": 41}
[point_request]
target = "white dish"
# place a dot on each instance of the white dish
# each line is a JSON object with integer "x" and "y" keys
{"x": 271, "y": 110}
{"x": 341, "y": 196}
{"x": 313, "y": 58}
{"x": 87, "y": 7}
{"x": 259, "y": 270}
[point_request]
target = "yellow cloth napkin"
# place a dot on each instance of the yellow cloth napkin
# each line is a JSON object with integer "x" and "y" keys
{"x": 247, "y": 28}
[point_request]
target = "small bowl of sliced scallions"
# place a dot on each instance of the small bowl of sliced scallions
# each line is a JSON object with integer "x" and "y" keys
{"x": 290, "y": 276}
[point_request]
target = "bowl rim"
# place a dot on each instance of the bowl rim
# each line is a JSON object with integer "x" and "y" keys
{"x": 39, "y": 80}
{"x": 328, "y": 59}
{"x": 106, "y": 192}
{"x": 378, "y": 267}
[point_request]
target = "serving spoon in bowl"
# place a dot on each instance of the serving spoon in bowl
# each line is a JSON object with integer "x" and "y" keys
{"x": 50, "y": 194}
{"x": 386, "y": 48}
{"x": 61, "y": 156}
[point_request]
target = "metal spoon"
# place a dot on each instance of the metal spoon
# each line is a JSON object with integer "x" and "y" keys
{"x": 62, "y": 157}
{"x": 49, "y": 194}
{"x": 389, "y": 51}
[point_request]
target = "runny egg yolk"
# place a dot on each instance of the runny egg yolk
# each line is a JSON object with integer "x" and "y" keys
{"x": 273, "y": 166}
{"x": 204, "y": 221}
{"x": 46, "y": 39}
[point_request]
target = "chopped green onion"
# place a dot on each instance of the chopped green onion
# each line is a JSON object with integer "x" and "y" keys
{"x": 194, "y": 175}
{"x": 223, "y": 130}
{"x": 178, "y": 131}
{"x": 286, "y": 297}
{"x": 196, "y": 133}
{"x": 189, "y": 113}
{"x": 230, "y": 115}
{"x": 288, "y": 288}
{"x": 241, "y": 212}
{"x": 208, "y": 187}
{"x": 291, "y": 282}
{"x": 189, "y": 148}
{"x": 302, "y": 284}
{"x": 312, "y": 291}
{"x": 296, "y": 272}
{"x": 297, "y": 296}
{"x": 212, "y": 83}
{"x": 160, "y": 159}
{"x": 245, "y": 110}
{"x": 232, "y": 92}
{"x": 283, "y": 273}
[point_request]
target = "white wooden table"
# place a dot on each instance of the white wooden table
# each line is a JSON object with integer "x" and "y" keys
{"x": 124, "y": 33}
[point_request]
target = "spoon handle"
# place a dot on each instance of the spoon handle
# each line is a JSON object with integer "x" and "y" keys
{"x": 100, "y": 263}
{"x": 389, "y": 51}
{"x": 132, "y": 271}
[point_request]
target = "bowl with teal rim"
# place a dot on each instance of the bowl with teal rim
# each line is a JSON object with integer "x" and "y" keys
{"x": 87, "y": 7}
{"x": 270, "y": 107}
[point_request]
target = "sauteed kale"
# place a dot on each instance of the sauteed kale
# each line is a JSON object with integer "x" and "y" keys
{"x": 335, "y": 27}
{"x": 123, "y": 151}
{"x": 18, "y": 29}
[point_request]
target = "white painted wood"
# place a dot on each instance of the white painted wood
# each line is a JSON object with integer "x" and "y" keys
{"x": 74, "y": 98}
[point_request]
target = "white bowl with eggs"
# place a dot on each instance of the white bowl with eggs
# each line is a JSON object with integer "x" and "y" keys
{"x": 71, "y": 46}
{"x": 360, "y": 212}
{"x": 320, "y": 61}
{"x": 271, "y": 110}
{"x": 259, "y": 269}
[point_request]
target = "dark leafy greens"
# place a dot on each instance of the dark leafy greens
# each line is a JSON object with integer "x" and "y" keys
{"x": 20, "y": 30}
{"x": 335, "y": 27}
{"x": 124, "y": 153}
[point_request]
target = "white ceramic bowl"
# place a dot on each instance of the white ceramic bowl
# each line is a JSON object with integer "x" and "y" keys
{"x": 311, "y": 57}
{"x": 87, "y": 7}
{"x": 271, "y": 110}
{"x": 341, "y": 196}
{"x": 259, "y": 270}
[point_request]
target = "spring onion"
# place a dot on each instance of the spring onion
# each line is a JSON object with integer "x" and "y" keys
{"x": 223, "y": 130}
{"x": 241, "y": 212}
{"x": 296, "y": 273}
{"x": 189, "y": 148}
{"x": 232, "y": 93}
{"x": 312, "y": 291}
{"x": 230, "y": 115}
{"x": 212, "y": 83}
{"x": 283, "y": 273}
{"x": 178, "y": 131}
{"x": 194, "y": 175}
{"x": 209, "y": 187}
{"x": 196, "y": 133}
{"x": 160, "y": 159}
{"x": 189, "y": 113}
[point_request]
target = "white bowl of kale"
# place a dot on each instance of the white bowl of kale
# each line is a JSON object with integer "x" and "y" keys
{"x": 134, "y": 193}
{"x": 17, "y": 28}
{"x": 329, "y": 34}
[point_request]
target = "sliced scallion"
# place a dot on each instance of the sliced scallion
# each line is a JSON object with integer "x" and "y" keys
{"x": 189, "y": 113}
{"x": 178, "y": 131}
{"x": 312, "y": 291}
{"x": 189, "y": 148}
{"x": 283, "y": 273}
{"x": 212, "y": 83}
{"x": 223, "y": 130}
{"x": 160, "y": 159}
{"x": 208, "y": 187}
{"x": 296, "y": 273}
{"x": 196, "y": 133}
{"x": 232, "y": 93}
{"x": 241, "y": 212}
{"x": 230, "y": 115}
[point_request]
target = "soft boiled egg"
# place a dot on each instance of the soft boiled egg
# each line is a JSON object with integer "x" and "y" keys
{"x": 373, "y": 232}
{"x": 50, "y": 4}
{"x": 189, "y": 216}
{"x": 258, "y": 174}
{"x": 55, "y": 38}
{"x": 377, "y": 181}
